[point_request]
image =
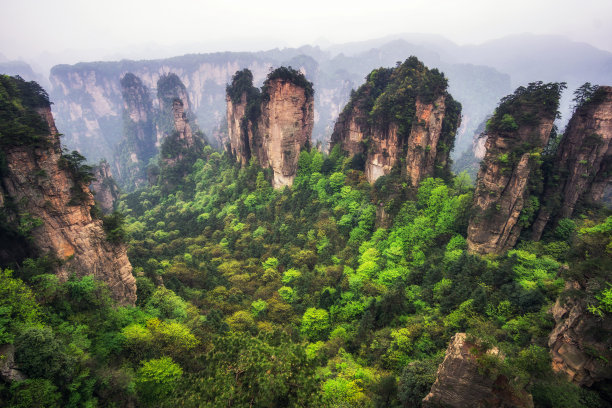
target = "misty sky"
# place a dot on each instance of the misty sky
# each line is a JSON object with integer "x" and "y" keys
{"x": 106, "y": 28}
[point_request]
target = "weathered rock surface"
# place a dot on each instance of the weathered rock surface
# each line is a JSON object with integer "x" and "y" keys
{"x": 104, "y": 188}
{"x": 580, "y": 343}
{"x": 461, "y": 382}
{"x": 513, "y": 148}
{"x": 139, "y": 141}
{"x": 9, "y": 371}
{"x": 283, "y": 126}
{"x": 583, "y": 162}
{"x": 415, "y": 129}
{"x": 239, "y": 129}
{"x": 41, "y": 190}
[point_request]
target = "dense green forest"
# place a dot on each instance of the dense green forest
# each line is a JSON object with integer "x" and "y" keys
{"x": 329, "y": 293}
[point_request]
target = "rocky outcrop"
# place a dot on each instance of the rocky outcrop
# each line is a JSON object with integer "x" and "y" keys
{"x": 239, "y": 129}
{"x": 401, "y": 115}
{"x": 505, "y": 199}
{"x": 272, "y": 126}
{"x": 139, "y": 142}
{"x": 9, "y": 371}
{"x": 104, "y": 188}
{"x": 46, "y": 199}
{"x": 284, "y": 128}
{"x": 583, "y": 161}
{"x": 580, "y": 343}
{"x": 461, "y": 381}
{"x": 181, "y": 140}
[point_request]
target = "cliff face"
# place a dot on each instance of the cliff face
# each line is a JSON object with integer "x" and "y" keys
{"x": 104, "y": 188}
{"x": 41, "y": 190}
{"x": 400, "y": 115}
{"x": 138, "y": 144}
{"x": 581, "y": 342}
{"x": 461, "y": 382}
{"x": 238, "y": 136}
{"x": 272, "y": 126}
{"x": 583, "y": 162}
{"x": 181, "y": 140}
{"x": 510, "y": 171}
{"x": 284, "y": 127}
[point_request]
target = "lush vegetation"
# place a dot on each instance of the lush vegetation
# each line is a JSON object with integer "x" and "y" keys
{"x": 288, "y": 74}
{"x": 20, "y": 124}
{"x": 333, "y": 293}
{"x": 390, "y": 95}
{"x": 526, "y": 106}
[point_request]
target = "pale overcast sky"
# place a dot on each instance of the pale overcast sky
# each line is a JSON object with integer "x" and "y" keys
{"x": 29, "y": 28}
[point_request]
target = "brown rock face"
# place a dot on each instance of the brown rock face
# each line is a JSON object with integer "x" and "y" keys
{"x": 42, "y": 191}
{"x": 511, "y": 162}
{"x": 461, "y": 383}
{"x": 410, "y": 127}
{"x": 583, "y": 162}
{"x": 181, "y": 124}
{"x": 386, "y": 146}
{"x": 104, "y": 188}
{"x": 239, "y": 136}
{"x": 283, "y": 127}
{"x": 580, "y": 343}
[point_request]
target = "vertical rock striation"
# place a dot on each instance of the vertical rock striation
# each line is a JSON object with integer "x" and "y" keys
{"x": 138, "y": 144}
{"x": 271, "y": 126}
{"x": 181, "y": 140}
{"x": 583, "y": 162}
{"x": 104, "y": 188}
{"x": 580, "y": 343}
{"x": 462, "y": 382}
{"x": 45, "y": 197}
{"x": 400, "y": 115}
{"x": 506, "y": 195}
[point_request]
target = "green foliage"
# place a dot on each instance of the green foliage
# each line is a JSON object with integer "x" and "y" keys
{"x": 82, "y": 174}
{"x": 315, "y": 324}
{"x": 525, "y": 106}
{"x": 40, "y": 354}
{"x": 35, "y": 393}
{"x": 416, "y": 381}
{"x": 584, "y": 94}
{"x": 114, "y": 226}
{"x": 156, "y": 379}
{"x": 20, "y": 123}
{"x": 18, "y": 307}
{"x": 289, "y": 74}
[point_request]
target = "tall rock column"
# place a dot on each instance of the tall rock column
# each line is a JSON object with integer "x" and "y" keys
{"x": 272, "y": 125}
{"x": 285, "y": 126}
{"x": 104, "y": 188}
{"x": 583, "y": 161}
{"x": 139, "y": 142}
{"x": 510, "y": 171}
{"x": 400, "y": 115}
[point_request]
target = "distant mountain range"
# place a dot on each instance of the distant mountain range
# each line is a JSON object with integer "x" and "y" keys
{"x": 479, "y": 75}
